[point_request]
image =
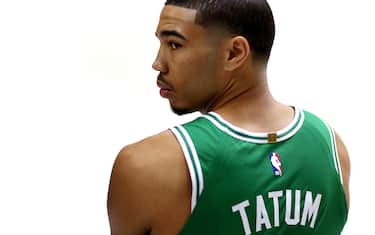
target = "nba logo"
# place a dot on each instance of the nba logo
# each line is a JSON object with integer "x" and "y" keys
{"x": 276, "y": 164}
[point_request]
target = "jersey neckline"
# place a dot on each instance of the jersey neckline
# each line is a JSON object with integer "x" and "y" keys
{"x": 258, "y": 137}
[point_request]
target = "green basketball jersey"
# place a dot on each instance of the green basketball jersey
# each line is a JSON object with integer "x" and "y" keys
{"x": 288, "y": 182}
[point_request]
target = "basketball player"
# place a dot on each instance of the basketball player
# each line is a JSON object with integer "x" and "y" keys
{"x": 249, "y": 164}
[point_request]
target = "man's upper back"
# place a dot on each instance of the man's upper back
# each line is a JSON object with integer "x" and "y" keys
{"x": 288, "y": 182}
{"x": 210, "y": 177}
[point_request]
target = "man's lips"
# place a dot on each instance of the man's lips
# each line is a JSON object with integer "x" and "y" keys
{"x": 164, "y": 89}
{"x": 164, "y": 93}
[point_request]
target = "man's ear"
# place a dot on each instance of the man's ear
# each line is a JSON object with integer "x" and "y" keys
{"x": 238, "y": 51}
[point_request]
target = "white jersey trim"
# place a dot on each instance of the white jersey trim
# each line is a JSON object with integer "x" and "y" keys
{"x": 248, "y": 139}
{"x": 191, "y": 158}
{"x": 335, "y": 154}
{"x": 257, "y": 137}
{"x": 195, "y": 158}
{"x": 193, "y": 177}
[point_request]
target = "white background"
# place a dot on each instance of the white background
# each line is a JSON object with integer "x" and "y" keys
{"x": 76, "y": 85}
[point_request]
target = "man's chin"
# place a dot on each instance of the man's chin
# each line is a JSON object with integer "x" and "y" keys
{"x": 181, "y": 111}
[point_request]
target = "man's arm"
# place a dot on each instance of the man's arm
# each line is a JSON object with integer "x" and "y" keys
{"x": 126, "y": 199}
{"x": 345, "y": 165}
{"x": 149, "y": 189}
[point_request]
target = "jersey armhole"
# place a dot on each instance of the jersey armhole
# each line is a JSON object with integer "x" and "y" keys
{"x": 336, "y": 161}
{"x": 192, "y": 161}
{"x": 335, "y": 155}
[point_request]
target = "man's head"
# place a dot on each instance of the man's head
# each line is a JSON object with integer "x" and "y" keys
{"x": 252, "y": 19}
{"x": 203, "y": 43}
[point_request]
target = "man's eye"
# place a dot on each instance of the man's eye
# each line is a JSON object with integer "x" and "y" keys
{"x": 174, "y": 45}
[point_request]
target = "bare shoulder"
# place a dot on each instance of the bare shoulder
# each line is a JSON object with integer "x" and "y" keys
{"x": 149, "y": 179}
{"x": 147, "y": 153}
{"x": 345, "y": 165}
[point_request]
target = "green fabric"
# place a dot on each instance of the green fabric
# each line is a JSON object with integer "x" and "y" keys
{"x": 237, "y": 170}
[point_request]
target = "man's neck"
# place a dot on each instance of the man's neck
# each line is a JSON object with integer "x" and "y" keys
{"x": 248, "y": 103}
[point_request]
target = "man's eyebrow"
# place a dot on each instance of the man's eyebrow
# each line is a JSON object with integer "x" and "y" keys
{"x": 168, "y": 33}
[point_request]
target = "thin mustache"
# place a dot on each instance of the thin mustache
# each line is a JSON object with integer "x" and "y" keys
{"x": 162, "y": 79}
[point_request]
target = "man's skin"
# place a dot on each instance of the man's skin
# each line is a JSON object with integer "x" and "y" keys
{"x": 202, "y": 69}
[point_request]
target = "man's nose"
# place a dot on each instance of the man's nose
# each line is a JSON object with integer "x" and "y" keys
{"x": 159, "y": 64}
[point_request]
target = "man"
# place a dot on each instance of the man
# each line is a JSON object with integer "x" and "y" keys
{"x": 249, "y": 164}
